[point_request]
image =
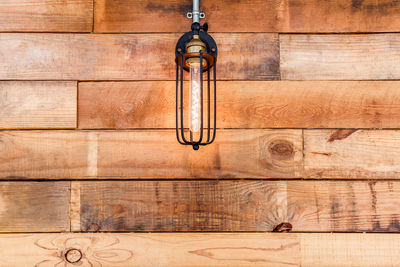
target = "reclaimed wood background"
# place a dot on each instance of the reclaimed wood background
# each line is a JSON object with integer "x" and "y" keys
{"x": 308, "y": 141}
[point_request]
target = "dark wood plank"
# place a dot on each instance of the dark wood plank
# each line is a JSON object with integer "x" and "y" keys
{"x": 309, "y": 206}
{"x": 249, "y": 16}
{"x": 246, "y": 104}
{"x": 46, "y": 15}
{"x": 340, "y": 57}
{"x": 129, "y": 56}
{"x": 34, "y": 206}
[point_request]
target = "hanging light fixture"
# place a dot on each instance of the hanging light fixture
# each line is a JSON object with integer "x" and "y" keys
{"x": 196, "y": 53}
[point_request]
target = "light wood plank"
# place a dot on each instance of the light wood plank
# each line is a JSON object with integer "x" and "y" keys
{"x": 149, "y": 154}
{"x": 128, "y": 56}
{"x": 43, "y": 154}
{"x": 354, "y": 250}
{"x": 352, "y": 154}
{"x": 46, "y": 15}
{"x": 34, "y": 206}
{"x": 202, "y": 249}
{"x": 340, "y": 57}
{"x": 236, "y": 154}
{"x": 250, "y": 16}
{"x": 246, "y": 104}
{"x": 309, "y": 206}
{"x": 38, "y": 105}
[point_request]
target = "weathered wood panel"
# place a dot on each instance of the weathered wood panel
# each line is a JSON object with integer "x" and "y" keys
{"x": 201, "y": 249}
{"x": 246, "y": 104}
{"x": 249, "y": 16}
{"x": 344, "y": 206}
{"x": 46, "y": 15}
{"x": 30, "y": 105}
{"x": 352, "y": 154}
{"x": 34, "y": 206}
{"x": 129, "y": 56}
{"x": 238, "y": 205}
{"x": 149, "y": 154}
{"x": 340, "y": 57}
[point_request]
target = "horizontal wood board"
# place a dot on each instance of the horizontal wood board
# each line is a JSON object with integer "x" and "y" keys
{"x": 252, "y": 153}
{"x": 351, "y": 153}
{"x": 246, "y": 104}
{"x": 148, "y": 154}
{"x": 340, "y": 57}
{"x": 170, "y": 206}
{"x": 46, "y": 15}
{"x": 205, "y": 249}
{"x": 34, "y": 206}
{"x": 249, "y": 16}
{"x": 38, "y": 105}
{"x": 129, "y": 56}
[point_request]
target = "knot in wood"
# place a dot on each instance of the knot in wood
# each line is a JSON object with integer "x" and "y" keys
{"x": 283, "y": 227}
{"x": 73, "y": 255}
{"x": 281, "y": 149}
{"x": 93, "y": 227}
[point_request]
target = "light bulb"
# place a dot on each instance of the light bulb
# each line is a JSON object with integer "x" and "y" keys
{"x": 194, "y": 98}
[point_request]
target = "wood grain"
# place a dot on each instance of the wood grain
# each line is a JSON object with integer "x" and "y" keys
{"x": 38, "y": 105}
{"x": 148, "y": 154}
{"x": 202, "y": 249}
{"x": 349, "y": 250}
{"x": 236, "y": 154}
{"x": 129, "y": 56}
{"x": 43, "y": 154}
{"x": 46, "y": 15}
{"x": 352, "y": 154}
{"x": 249, "y": 16}
{"x": 34, "y": 206}
{"x": 246, "y": 104}
{"x": 340, "y": 57}
{"x": 170, "y": 206}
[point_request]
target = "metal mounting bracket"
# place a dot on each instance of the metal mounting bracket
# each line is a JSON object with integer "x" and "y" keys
{"x": 189, "y": 15}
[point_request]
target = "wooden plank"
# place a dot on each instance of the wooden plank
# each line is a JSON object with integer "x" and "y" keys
{"x": 246, "y": 104}
{"x": 309, "y": 206}
{"x": 349, "y": 250}
{"x": 201, "y": 249}
{"x": 34, "y": 206}
{"x": 370, "y": 154}
{"x": 149, "y": 154}
{"x": 129, "y": 56}
{"x": 343, "y": 206}
{"x": 250, "y": 16}
{"x": 43, "y": 154}
{"x": 340, "y": 57}
{"x": 236, "y": 154}
{"x": 46, "y": 16}
{"x": 35, "y": 105}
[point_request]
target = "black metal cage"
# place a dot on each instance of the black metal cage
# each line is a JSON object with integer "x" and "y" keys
{"x": 208, "y": 60}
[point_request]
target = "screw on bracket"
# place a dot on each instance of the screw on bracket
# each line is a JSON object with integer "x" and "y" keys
{"x": 189, "y": 15}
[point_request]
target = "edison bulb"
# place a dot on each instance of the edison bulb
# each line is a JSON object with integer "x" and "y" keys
{"x": 194, "y": 98}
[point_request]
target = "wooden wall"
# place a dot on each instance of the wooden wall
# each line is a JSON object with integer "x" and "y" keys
{"x": 308, "y": 110}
